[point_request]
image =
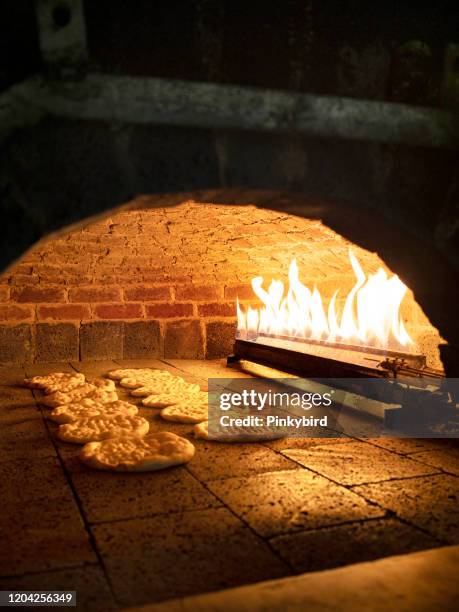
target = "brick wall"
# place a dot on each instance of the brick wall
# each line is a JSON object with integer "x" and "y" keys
{"x": 150, "y": 282}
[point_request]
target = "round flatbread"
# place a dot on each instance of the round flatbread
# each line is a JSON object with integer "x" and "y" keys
{"x": 98, "y": 428}
{"x": 186, "y": 412}
{"x": 69, "y": 413}
{"x": 162, "y": 400}
{"x": 56, "y": 381}
{"x": 155, "y": 451}
{"x": 85, "y": 390}
{"x": 166, "y": 386}
{"x": 135, "y": 382}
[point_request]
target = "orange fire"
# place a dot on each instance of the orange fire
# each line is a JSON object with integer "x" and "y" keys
{"x": 370, "y": 316}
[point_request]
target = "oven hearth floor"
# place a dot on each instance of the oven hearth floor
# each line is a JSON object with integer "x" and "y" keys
{"x": 236, "y": 514}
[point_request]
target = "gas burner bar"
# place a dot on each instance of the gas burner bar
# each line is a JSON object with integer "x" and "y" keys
{"x": 320, "y": 360}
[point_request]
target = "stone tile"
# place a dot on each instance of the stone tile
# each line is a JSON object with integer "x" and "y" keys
{"x": 220, "y": 338}
{"x": 151, "y": 560}
{"x": 141, "y": 339}
{"x": 12, "y": 376}
{"x": 429, "y": 502}
{"x": 25, "y": 439}
{"x": 56, "y": 342}
{"x": 353, "y": 463}
{"x": 15, "y": 343}
{"x": 446, "y": 460}
{"x": 287, "y": 443}
{"x": 408, "y": 446}
{"x": 423, "y": 581}
{"x": 285, "y": 502}
{"x": 107, "y": 496}
{"x": 101, "y": 340}
{"x": 42, "y": 479}
{"x": 219, "y": 460}
{"x": 311, "y": 551}
{"x": 41, "y": 369}
{"x": 17, "y": 405}
{"x": 183, "y": 340}
{"x": 14, "y": 395}
{"x": 15, "y": 414}
{"x": 89, "y": 582}
{"x": 42, "y": 535}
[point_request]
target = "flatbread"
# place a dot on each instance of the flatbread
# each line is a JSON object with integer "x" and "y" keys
{"x": 165, "y": 386}
{"x": 155, "y": 451}
{"x": 85, "y": 390}
{"x": 236, "y": 434}
{"x": 137, "y": 373}
{"x": 161, "y": 400}
{"x": 69, "y": 413}
{"x": 94, "y": 429}
{"x": 135, "y": 382}
{"x": 56, "y": 381}
{"x": 186, "y": 412}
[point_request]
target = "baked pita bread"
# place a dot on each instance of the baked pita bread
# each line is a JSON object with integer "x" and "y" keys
{"x": 87, "y": 389}
{"x": 56, "y": 381}
{"x": 95, "y": 429}
{"x": 69, "y": 413}
{"x": 186, "y": 412}
{"x": 155, "y": 451}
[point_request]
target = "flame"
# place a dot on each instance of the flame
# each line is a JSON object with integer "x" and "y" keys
{"x": 370, "y": 315}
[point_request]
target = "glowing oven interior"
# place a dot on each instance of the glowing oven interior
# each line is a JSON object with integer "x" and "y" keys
{"x": 183, "y": 281}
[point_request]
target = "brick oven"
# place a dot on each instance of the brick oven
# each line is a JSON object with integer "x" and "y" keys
{"x": 153, "y": 281}
{"x": 156, "y": 162}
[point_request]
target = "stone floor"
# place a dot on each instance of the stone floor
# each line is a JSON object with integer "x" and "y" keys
{"x": 235, "y": 515}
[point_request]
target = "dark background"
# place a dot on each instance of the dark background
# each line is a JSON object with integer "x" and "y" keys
{"x": 381, "y": 50}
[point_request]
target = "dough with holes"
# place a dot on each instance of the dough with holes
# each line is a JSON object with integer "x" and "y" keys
{"x": 186, "y": 412}
{"x": 136, "y": 382}
{"x": 94, "y": 429}
{"x": 69, "y": 413}
{"x": 161, "y": 400}
{"x": 166, "y": 386}
{"x": 85, "y": 390}
{"x": 155, "y": 451}
{"x": 57, "y": 381}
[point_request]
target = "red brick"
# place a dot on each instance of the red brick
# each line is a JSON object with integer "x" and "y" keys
{"x": 148, "y": 294}
{"x": 95, "y": 294}
{"x": 35, "y": 295}
{"x": 243, "y": 292}
{"x": 22, "y": 268}
{"x": 49, "y": 279}
{"x": 217, "y": 310}
{"x": 24, "y": 279}
{"x": 119, "y": 311}
{"x": 198, "y": 293}
{"x": 169, "y": 311}
{"x": 4, "y": 294}
{"x": 11, "y": 312}
{"x": 64, "y": 312}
